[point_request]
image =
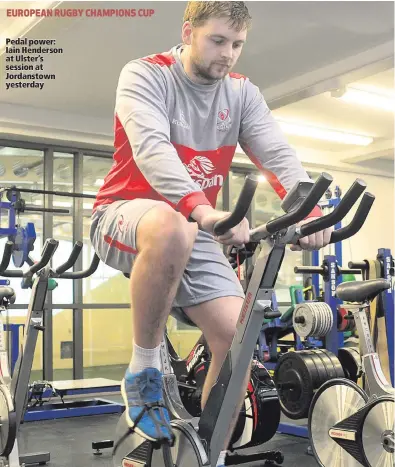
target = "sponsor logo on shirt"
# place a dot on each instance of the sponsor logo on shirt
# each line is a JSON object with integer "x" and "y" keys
{"x": 223, "y": 120}
{"x": 199, "y": 169}
{"x": 181, "y": 122}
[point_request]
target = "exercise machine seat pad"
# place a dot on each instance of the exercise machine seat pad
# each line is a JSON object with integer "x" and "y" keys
{"x": 361, "y": 291}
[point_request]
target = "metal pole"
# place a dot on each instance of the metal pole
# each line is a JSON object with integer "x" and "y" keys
{"x": 48, "y": 233}
{"x": 50, "y": 192}
{"x": 78, "y": 321}
{"x": 384, "y": 255}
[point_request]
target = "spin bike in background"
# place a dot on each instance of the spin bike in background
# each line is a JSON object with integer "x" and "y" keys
{"x": 348, "y": 426}
{"x": 198, "y": 441}
{"x": 14, "y": 390}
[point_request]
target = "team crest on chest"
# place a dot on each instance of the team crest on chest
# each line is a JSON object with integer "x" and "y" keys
{"x": 201, "y": 170}
{"x": 223, "y": 120}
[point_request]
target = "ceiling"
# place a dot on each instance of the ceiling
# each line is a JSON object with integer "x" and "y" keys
{"x": 296, "y": 51}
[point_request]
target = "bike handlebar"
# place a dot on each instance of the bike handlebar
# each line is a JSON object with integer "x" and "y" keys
{"x": 48, "y": 250}
{"x": 241, "y": 208}
{"x": 71, "y": 260}
{"x": 307, "y": 205}
{"x": 82, "y": 274}
{"x": 317, "y": 191}
{"x": 357, "y": 222}
{"x": 61, "y": 270}
{"x": 338, "y": 214}
{"x": 300, "y": 213}
{"x": 5, "y": 261}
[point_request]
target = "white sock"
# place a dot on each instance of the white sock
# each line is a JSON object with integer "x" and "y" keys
{"x": 221, "y": 458}
{"x": 144, "y": 358}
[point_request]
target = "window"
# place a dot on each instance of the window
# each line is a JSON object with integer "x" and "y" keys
{"x": 62, "y": 222}
{"x": 22, "y": 168}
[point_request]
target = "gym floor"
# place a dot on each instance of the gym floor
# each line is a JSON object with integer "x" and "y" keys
{"x": 69, "y": 442}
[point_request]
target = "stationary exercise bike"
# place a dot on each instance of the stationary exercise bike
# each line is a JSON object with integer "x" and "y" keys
{"x": 350, "y": 426}
{"x": 198, "y": 441}
{"x": 14, "y": 390}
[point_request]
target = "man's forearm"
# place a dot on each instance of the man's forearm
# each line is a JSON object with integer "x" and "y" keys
{"x": 200, "y": 212}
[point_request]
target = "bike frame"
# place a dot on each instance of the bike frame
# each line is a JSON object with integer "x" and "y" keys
{"x": 216, "y": 418}
{"x": 376, "y": 383}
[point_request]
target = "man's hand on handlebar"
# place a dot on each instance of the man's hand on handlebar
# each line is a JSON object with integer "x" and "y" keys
{"x": 207, "y": 217}
{"x": 315, "y": 241}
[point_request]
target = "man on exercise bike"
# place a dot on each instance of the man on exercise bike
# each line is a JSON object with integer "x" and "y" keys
{"x": 178, "y": 118}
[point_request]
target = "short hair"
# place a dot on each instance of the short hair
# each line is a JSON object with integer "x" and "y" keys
{"x": 197, "y": 13}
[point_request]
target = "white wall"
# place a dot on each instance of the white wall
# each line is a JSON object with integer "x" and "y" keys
{"x": 378, "y": 230}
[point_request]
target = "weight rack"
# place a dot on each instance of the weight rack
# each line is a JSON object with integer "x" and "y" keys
{"x": 331, "y": 272}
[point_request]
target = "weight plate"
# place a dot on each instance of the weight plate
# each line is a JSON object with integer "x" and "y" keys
{"x": 378, "y": 433}
{"x": 318, "y": 312}
{"x": 314, "y": 370}
{"x": 329, "y": 324}
{"x": 306, "y": 328}
{"x": 7, "y": 422}
{"x": 324, "y": 321}
{"x": 316, "y": 309}
{"x": 350, "y": 360}
{"x": 321, "y": 320}
{"x": 327, "y": 319}
{"x": 320, "y": 316}
{"x": 334, "y": 401}
{"x": 321, "y": 369}
{"x": 327, "y": 363}
{"x": 335, "y": 362}
{"x": 318, "y": 319}
{"x": 295, "y": 377}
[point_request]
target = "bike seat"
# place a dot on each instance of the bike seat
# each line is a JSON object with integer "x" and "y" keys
{"x": 8, "y": 293}
{"x": 361, "y": 291}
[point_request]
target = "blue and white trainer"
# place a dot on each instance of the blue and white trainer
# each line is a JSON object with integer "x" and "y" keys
{"x": 145, "y": 411}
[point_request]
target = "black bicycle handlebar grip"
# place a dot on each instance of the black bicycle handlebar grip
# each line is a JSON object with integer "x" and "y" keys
{"x": 317, "y": 191}
{"x": 340, "y": 211}
{"x": 48, "y": 250}
{"x": 82, "y": 274}
{"x": 309, "y": 269}
{"x": 241, "y": 208}
{"x": 72, "y": 258}
{"x": 5, "y": 261}
{"x": 357, "y": 222}
{"x": 363, "y": 266}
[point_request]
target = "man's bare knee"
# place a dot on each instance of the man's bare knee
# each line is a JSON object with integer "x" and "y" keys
{"x": 163, "y": 228}
{"x": 222, "y": 342}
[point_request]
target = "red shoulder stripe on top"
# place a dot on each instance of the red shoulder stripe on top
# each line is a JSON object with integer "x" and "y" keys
{"x": 165, "y": 59}
{"x": 237, "y": 75}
